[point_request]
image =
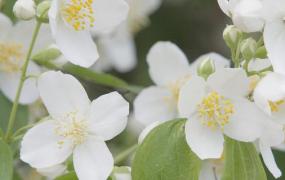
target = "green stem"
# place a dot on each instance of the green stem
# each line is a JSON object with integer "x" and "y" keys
{"x": 13, "y": 113}
{"x": 123, "y": 155}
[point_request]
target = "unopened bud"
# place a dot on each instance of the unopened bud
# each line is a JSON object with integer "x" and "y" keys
{"x": 42, "y": 11}
{"x": 232, "y": 35}
{"x": 248, "y": 48}
{"x": 206, "y": 68}
{"x": 261, "y": 53}
{"x": 25, "y": 9}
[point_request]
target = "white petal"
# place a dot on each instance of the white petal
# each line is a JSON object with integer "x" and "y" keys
{"x": 62, "y": 93}
{"x": 109, "y": 14}
{"x": 247, "y": 15}
{"x": 9, "y": 83}
{"x": 219, "y": 61}
{"x": 119, "y": 49}
{"x": 5, "y": 26}
{"x": 269, "y": 160}
{"x": 108, "y": 115}
{"x": 272, "y": 134}
{"x": 76, "y": 46}
{"x": 224, "y": 5}
{"x": 40, "y": 146}
{"x": 191, "y": 94}
{"x": 204, "y": 141}
{"x": 53, "y": 172}
{"x": 93, "y": 160}
{"x": 246, "y": 122}
{"x": 142, "y": 8}
{"x": 230, "y": 82}
{"x": 162, "y": 58}
{"x": 155, "y": 104}
{"x": 258, "y": 64}
{"x": 274, "y": 39}
{"x": 270, "y": 88}
{"x": 147, "y": 130}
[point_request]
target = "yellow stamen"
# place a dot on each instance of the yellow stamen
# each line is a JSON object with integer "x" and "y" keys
{"x": 79, "y": 14}
{"x": 11, "y": 55}
{"x": 72, "y": 127}
{"x": 215, "y": 110}
{"x": 274, "y": 106}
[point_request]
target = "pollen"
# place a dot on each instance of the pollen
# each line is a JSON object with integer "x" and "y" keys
{"x": 274, "y": 106}
{"x": 215, "y": 110}
{"x": 71, "y": 127}
{"x": 11, "y": 55}
{"x": 79, "y": 14}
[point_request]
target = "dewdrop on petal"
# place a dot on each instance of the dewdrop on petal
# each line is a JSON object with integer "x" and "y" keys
{"x": 25, "y": 9}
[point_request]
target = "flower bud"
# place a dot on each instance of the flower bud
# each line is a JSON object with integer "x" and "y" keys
{"x": 206, "y": 68}
{"x": 25, "y": 9}
{"x": 42, "y": 11}
{"x": 248, "y": 48}
{"x": 232, "y": 36}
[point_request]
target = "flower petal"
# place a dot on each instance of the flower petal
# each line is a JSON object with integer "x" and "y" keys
{"x": 191, "y": 94}
{"x": 230, "y": 82}
{"x": 270, "y": 88}
{"x": 62, "y": 93}
{"x": 9, "y": 84}
{"x": 52, "y": 172}
{"x": 162, "y": 58}
{"x": 93, "y": 160}
{"x": 76, "y": 46}
{"x": 155, "y": 104}
{"x": 272, "y": 134}
{"x": 204, "y": 141}
{"x": 269, "y": 160}
{"x": 109, "y": 14}
{"x": 246, "y": 122}
{"x": 119, "y": 49}
{"x": 40, "y": 146}
{"x": 274, "y": 39}
{"x": 108, "y": 115}
{"x": 5, "y": 26}
{"x": 224, "y": 5}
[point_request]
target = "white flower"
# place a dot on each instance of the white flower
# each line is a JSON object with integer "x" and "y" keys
{"x": 215, "y": 107}
{"x": 117, "y": 50}
{"x": 274, "y": 33}
{"x": 121, "y": 173}
{"x": 269, "y": 96}
{"x": 246, "y": 14}
{"x": 72, "y": 21}
{"x": 14, "y": 44}
{"x": 25, "y": 9}
{"x": 76, "y": 126}
{"x": 169, "y": 69}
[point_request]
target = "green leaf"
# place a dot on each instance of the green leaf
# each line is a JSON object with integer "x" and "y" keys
{"x": 165, "y": 155}
{"x": 242, "y": 162}
{"x": 5, "y": 108}
{"x": 6, "y": 161}
{"x": 8, "y": 8}
{"x": 68, "y": 176}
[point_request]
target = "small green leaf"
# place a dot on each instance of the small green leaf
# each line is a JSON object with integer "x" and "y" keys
{"x": 6, "y": 161}
{"x": 68, "y": 176}
{"x": 242, "y": 162}
{"x": 165, "y": 155}
{"x": 5, "y": 108}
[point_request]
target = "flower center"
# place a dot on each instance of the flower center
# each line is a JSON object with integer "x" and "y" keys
{"x": 79, "y": 14}
{"x": 215, "y": 110}
{"x": 176, "y": 86}
{"x": 11, "y": 55}
{"x": 72, "y": 127}
{"x": 275, "y": 106}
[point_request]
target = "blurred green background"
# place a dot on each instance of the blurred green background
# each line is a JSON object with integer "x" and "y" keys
{"x": 196, "y": 26}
